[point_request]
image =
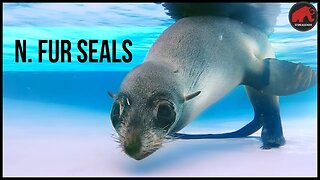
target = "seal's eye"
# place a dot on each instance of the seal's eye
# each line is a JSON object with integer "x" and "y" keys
{"x": 115, "y": 114}
{"x": 165, "y": 115}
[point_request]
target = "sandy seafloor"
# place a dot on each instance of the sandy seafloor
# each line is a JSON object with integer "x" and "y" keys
{"x": 83, "y": 146}
{"x": 56, "y": 121}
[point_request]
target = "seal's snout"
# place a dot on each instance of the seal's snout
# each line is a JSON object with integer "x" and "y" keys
{"x": 135, "y": 144}
{"x": 132, "y": 147}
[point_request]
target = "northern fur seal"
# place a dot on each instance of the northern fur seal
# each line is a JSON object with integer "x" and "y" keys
{"x": 211, "y": 49}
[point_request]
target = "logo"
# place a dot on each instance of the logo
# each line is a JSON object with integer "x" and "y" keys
{"x": 303, "y": 16}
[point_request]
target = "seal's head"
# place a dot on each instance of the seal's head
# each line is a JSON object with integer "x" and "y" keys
{"x": 146, "y": 108}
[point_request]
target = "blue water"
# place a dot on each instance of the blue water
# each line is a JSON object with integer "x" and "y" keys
{"x": 86, "y": 84}
{"x": 77, "y": 92}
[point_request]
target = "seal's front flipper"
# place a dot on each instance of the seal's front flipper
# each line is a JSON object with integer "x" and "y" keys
{"x": 281, "y": 78}
{"x": 245, "y": 131}
{"x": 267, "y": 111}
{"x": 267, "y": 114}
{"x": 195, "y": 136}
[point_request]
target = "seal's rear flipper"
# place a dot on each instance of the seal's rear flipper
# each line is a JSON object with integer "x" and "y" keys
{"x": 281, "y": 78}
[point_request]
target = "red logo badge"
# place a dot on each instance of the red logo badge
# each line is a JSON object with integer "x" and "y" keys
{"x": 303, "y": 16}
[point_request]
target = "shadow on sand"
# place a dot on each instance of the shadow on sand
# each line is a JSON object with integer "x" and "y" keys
{"x": 172, "y": 153}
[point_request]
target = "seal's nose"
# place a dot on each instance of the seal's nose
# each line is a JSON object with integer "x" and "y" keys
{"x": 132, "y": 147}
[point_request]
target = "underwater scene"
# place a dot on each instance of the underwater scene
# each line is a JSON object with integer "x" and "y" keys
{"x": 56, "y": 116}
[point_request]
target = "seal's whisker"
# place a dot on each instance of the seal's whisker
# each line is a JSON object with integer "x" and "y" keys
{"x": 170, "y": 138}
{"x": 113, "y": 136}
{"x": 119, "y": 146}
{"x": 117, "y": 140}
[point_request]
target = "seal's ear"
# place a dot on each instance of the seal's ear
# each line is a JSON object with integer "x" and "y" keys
{"x": 113, "y": 96}
{"x": 191, "y": 96}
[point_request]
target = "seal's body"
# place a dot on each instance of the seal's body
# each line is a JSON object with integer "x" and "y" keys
{"x": 193, "y": 63}
{"x": 213, "y": 55}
